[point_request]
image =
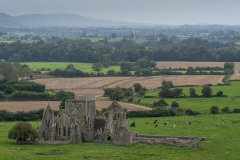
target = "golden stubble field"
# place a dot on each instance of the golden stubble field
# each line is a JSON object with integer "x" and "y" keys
{"x": 93, "y": 86}
{"x": 183, "y": 64}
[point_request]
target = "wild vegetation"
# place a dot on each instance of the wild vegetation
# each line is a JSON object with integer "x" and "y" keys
{"x": 21, "y": 90}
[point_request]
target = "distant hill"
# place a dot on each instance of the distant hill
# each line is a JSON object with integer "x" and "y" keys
{"x": 51, "y": 20}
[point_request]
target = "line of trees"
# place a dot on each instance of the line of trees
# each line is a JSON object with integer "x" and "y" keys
{"x": 84, "y": 50}
{"x": 21, "y": 90}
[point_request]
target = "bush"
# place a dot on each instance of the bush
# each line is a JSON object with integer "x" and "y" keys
{"x": 191, "y": 112}
{"x": 214, "y": 110}
{"x": 219, "y": 93}
{"x": 23, "y": 131}
{"x": 236, "y": 110}
{"x": 225, "y": 109}
{"x": 206, "y": 91}
{"x": 63, "y": 95}
{"x": 174, "y": 104}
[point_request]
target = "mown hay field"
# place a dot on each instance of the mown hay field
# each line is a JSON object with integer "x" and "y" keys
{"x": 148, "y": 82}
{"x": 186, "y": 64}
{"x": 15, "y": 106}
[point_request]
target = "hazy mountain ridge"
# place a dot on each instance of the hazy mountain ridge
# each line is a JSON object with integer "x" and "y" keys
{"x": 48, "y": 20}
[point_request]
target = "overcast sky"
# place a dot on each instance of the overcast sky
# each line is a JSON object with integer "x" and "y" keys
{"x": 143, "y": 11}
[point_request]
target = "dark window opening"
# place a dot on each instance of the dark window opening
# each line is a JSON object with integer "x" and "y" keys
{"x": 90, "y": 125}
{"x": 69, "y": 131}
{"x": 109, "y": 138}
{"x": 118, "y": 115}
{"x": 64, "y": 131}
{"x": 59, "y": 131}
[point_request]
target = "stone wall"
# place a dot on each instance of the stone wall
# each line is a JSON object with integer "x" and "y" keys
{"x": 168, "y": 140}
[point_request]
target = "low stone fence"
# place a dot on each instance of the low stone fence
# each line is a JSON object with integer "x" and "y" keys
{"x": 55, "y": 142}
{"x": 167, "y": 140}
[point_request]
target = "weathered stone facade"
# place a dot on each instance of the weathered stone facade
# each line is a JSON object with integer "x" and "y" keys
{"x": 81, "y": 122}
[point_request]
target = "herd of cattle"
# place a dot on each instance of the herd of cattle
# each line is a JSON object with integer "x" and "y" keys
{"x": 133, "y": 124}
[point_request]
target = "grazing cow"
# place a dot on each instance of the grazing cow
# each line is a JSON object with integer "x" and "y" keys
{"x": 146, "y": 122}
{"x": 155, "y": 121}
{"x": 165, "y": 123}
{"x": 187, "y": 122}
{"x": 156, "y": 125}
{"x": 222, "y": 122}
{"x": 133, "y": 124}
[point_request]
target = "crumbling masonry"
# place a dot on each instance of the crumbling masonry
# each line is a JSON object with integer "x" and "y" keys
{"x": 79, "y": 121}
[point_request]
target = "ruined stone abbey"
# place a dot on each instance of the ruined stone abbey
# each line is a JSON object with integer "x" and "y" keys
{"x": 79, "y": 121}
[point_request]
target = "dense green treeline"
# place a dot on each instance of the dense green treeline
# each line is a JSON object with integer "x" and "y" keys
{"x": 21, "y": 90}
{"x": 83, "y": 50}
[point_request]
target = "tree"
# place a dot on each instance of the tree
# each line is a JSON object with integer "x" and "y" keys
{"x": 114, "y": 35}
{"x": 160, "y": 103}
{"x": 229, "y": 65}
{"x": 192, "y": 92}
{"x": 214, "y": 110}
{"x": 206, "y": 91}
{"x": 177, "y": 92}
{"x": 137, "y": 87}
{"x": 25, "y": 71}
{"x": 97, "y": 67}
{"x": 70, "y": 67}
{"x": 22, "y": 131}
{"x": 225, "y": 109}
{"x": 174, "y": 104}
{"x": 165, "y": 93}
{"x": 219, "y": 93}
{"x": 117, "y": 95}
{"x": 167, "y": 84}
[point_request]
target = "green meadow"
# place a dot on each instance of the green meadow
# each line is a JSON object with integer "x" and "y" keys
{"x": 85, "y": 67}
{"x": 222, "y": 142}
{"x": 203, "y": 105}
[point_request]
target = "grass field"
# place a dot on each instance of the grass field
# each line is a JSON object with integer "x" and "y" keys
{"x": 85, "y": 67}
{"x": 203, "y": 105}
{"x": 222, "y": 142}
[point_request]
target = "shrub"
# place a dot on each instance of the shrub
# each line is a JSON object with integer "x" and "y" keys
{"x": 225, "y": 109}
{"x": 191, "y": 112}
{"x": 174, "y": 104}
{"x": 236, "y": 110}
{"x": 219, "y": 93}
{"x": 206, "y": 91}
{"x": 23, "y": 131}
{"x": 214, "y": 110}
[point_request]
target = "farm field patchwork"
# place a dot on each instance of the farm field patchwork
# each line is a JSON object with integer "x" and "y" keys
{"x": 222, "y": 142}
{"x": 203, "y": 105}
{"x": 85, "y": 67}
{"x": 185, "y": 64}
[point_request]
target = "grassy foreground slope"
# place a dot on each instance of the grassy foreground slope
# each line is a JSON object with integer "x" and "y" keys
{"x": 222, "y": 142}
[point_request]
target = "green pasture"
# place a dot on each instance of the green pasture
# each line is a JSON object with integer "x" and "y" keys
{"x": 222, "y": 142}
{"x": 6, "y": 41}
{"x": 85, "y": 67}
{"x": 203, "y": 105}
